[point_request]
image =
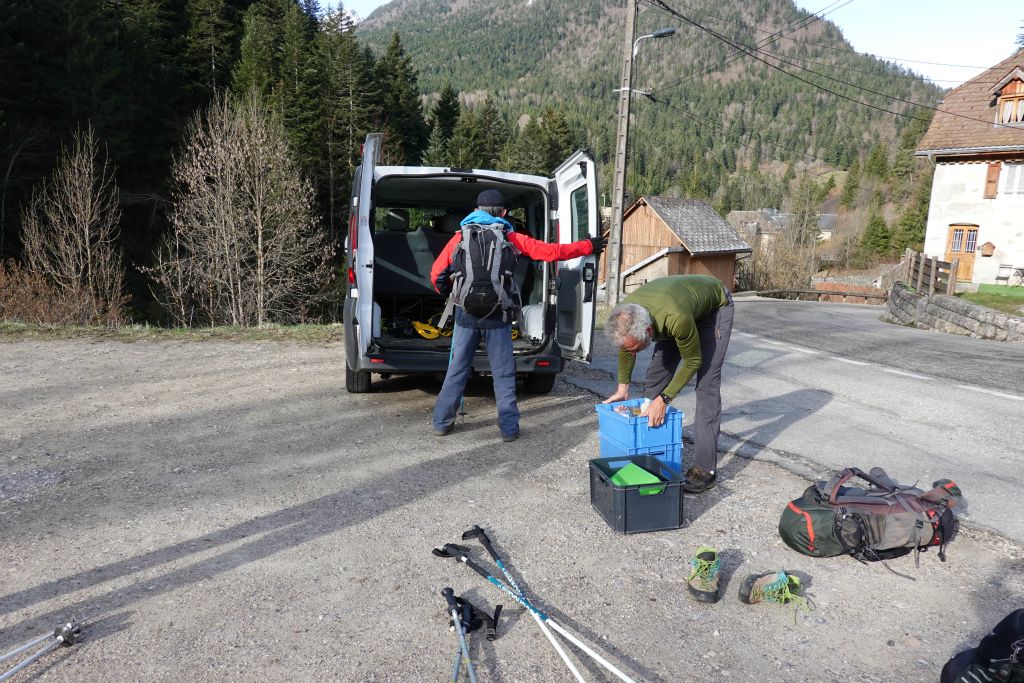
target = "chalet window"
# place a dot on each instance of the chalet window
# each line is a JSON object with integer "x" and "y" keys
{"x": 1010, "y": 106}
{"x": 1014, "y": 179}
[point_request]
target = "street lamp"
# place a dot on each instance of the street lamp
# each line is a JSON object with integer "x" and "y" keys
{"x": 660, "y": 33}
{"x": 613, "y": 283}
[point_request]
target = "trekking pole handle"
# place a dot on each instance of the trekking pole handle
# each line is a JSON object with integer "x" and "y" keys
{"x": 449, "y": 596}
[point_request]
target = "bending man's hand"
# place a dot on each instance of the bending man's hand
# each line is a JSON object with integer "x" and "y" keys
{"x": 621, "y": 394}
{"x": 655, "y": 412}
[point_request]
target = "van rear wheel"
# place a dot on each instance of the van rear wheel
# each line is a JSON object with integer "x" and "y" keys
{"x": 356, "y": 382}
{"x": 539, "y": 383}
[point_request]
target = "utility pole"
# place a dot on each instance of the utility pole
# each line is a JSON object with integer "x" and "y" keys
{"x": 613, "y": 280}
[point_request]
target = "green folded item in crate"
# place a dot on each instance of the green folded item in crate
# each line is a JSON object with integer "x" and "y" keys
{"x": 634, "y": 475}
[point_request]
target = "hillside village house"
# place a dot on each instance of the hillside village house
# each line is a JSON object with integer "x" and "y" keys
{"x": 764, "y": 225}
{"x": 667, "y": 236}
{"x": 977, "y": 146}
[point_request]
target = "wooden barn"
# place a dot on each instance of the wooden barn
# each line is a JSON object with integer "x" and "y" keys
{"x": 665, "y": 236}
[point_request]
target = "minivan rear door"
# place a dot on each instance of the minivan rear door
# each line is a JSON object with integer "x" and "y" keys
{"x": 576, "y": 193}
{"x": 362, "y": 244}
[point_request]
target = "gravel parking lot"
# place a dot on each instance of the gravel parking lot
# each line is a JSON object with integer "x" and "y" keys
{"x": 225, "y": 511}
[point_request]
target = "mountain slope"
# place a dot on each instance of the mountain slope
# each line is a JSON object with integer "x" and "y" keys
{"x": 530, "y": 53}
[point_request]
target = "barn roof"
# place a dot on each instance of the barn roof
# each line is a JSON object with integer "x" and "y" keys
{"x": 698, "y": 226}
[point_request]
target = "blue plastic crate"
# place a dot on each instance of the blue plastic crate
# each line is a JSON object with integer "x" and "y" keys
{"x": 671, "y": 454}
{"x": 634, "y": 432}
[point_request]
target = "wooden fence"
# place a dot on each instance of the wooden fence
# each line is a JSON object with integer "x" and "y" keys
{"x": 929, "y": 275}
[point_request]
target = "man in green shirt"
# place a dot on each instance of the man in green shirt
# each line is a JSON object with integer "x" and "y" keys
{"x": 689, "y": 319}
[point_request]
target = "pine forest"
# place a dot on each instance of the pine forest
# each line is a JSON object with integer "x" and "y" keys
{"x": 190, "y": 163}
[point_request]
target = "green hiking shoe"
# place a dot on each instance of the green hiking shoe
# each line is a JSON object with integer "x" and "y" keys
{"x": 703, "y": 580}
{"x": 778, "y": 587}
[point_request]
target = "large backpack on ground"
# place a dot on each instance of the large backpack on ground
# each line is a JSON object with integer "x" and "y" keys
{"x": 999, "y": 657}
{"x": 483, "y": 273}
{"x": 880, "y": 521}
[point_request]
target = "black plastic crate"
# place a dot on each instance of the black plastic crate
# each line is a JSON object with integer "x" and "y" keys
{"x": 624, "y": 508}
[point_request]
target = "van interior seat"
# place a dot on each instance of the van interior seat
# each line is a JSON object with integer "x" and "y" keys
{"x": 404, "y": 260}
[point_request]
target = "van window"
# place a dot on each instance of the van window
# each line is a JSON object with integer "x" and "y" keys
{"x": 580, "y": 215}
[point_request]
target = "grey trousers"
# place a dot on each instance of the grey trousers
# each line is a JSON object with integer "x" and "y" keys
{"x": 714, "y": 331}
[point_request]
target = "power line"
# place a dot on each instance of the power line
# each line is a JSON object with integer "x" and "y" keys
{"x": 828, "y": 47}
{"x": 746, "y": 49}
{"x": 792, "y": 26}
{"x": 860, "y": 71}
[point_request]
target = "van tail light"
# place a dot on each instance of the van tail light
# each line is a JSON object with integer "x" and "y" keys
{"x": 351, "y": 276}
{"x": 376, "y": 360}
{"x": 543, "y": 363}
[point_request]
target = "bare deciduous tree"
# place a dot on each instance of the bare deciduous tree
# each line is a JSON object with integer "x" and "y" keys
{"x": 245, "y": 247}
{"x": 70, "y": 229}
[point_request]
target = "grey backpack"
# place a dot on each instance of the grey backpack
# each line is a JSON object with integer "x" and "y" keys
{"x": 879, "y": 521}
{"x": 483, "y": 273}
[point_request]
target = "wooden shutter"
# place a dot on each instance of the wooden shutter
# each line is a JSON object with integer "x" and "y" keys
{"x": 992, "y": 180}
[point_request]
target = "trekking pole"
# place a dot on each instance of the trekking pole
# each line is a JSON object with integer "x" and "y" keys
{"x": 459, "y": 553}
{"x": 481, "y": 535}
{"x": 66, "y": 635}
{"x": 453, "y": 609}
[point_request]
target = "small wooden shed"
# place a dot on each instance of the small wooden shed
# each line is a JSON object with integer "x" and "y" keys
{"x": 667, "y": 236}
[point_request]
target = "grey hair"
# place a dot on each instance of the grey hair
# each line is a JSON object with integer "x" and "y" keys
{"x": 628, "y": 320}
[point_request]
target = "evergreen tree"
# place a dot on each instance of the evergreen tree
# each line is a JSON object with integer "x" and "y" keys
{"x": 877, "y": 165}
{"x": 299, "y": 87}
{"x": 876, "y": 240}
{"x": 436, "y": 153}
{"x": 349, "y": 108}
{"x": 851, "y": 185}
{"x": 446, "y": 112}
{"x": 526, "y": 151}
{"x": 209, "y": 41}
{"x": 1020, "y": 37}
{"x": 402, "y": 106}
{"x": 493, "y": 132}
{"x": 466, "y": 147}
{"x": 557, "y": 137}
{"x": 257, "y": 66}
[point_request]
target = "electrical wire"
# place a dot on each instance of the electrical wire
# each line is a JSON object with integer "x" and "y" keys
{"x": 736, "y": 54}
{"x": 750, "y": 52}
{"x": 828, "y": 47}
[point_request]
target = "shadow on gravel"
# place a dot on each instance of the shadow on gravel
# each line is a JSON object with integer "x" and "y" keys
{"x": 225, "y": 550}
{"x": 772, "y": 417}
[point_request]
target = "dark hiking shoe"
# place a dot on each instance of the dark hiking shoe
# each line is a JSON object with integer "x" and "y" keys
{"x": 444, "y": 431}
{"x": 698, "y": 480}
{"x": 777, "y": 587}
{"x": 703, "y": 580}
{"x": 509, "y": 438}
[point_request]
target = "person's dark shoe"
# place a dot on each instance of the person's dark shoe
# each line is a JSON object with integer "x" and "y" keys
{"x": 698, "y": 480}
{"x": 444, "y": 431}
{"x": 703, "y": 580}
{"x": 509, "y": 438}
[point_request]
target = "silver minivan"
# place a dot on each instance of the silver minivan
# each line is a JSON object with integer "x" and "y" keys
{"x": 401, "y": 219}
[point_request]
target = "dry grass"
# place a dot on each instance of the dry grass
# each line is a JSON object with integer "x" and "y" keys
{"x": 303, "y": 334}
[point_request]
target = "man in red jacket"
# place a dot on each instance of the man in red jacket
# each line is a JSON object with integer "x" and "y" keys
{"x": 496, "y": 328}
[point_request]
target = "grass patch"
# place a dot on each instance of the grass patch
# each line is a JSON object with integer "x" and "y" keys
{"x": 308, "y": 334}
{"x": 999, "y": 298}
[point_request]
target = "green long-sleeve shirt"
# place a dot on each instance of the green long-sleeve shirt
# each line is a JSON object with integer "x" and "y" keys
{"x": 676, "y": 303}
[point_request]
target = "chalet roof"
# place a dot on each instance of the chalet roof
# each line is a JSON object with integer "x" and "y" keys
{"x": 976, "y": 99}
{"x": 698, "y": 226}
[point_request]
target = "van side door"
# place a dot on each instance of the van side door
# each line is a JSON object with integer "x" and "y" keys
{"x": 361, "y": 245}
{"x": 575, "y": 185}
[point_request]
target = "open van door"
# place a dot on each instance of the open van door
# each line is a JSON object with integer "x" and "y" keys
{"x": 576, "y": 187}
{"x": 362, "y": 245}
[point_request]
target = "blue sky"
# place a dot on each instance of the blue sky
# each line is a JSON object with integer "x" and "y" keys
{"x": 975, "y": 33}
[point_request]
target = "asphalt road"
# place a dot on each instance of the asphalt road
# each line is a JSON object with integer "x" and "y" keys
{"x": 817, "y": 387}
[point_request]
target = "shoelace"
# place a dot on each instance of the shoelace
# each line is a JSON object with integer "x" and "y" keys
{"x": 705, "y": 569}
{"x": 783, "y": 592}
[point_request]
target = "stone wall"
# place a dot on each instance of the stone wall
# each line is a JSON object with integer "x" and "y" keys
{"x": 952, "y": 315}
